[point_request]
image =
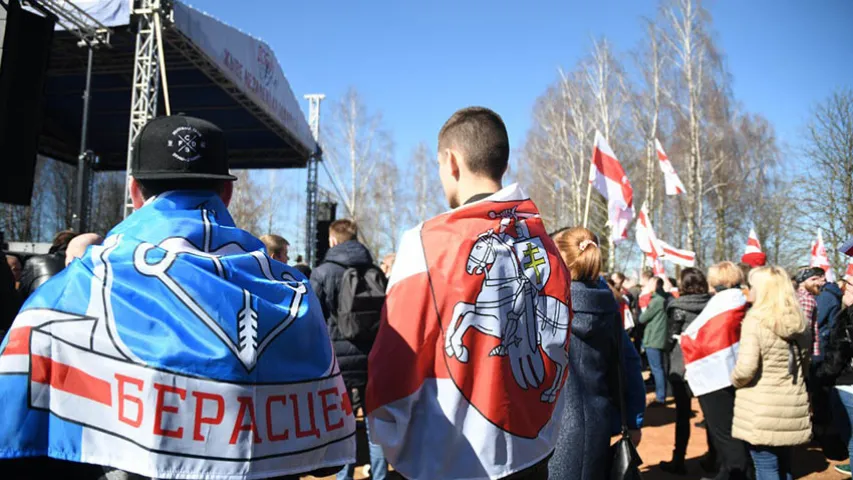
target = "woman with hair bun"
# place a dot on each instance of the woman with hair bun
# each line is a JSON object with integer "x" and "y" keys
{"x": 583, "y": 448}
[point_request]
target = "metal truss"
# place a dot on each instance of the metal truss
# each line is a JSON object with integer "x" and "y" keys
{"x": 146, "y": 76}
{"x": 311, "y": 187}
{"x": 74, "y": 19}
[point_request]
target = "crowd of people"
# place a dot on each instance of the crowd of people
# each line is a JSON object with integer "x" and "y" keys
{"x": 484, "y": 347}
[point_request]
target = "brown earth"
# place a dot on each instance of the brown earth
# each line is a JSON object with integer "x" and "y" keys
{"x": 659, "y": 438}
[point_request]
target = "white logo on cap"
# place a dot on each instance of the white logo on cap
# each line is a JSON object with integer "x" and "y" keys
{"x": 187, "y": 143}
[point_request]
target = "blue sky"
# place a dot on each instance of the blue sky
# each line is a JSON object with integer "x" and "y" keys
{"x": 417, "y": 62}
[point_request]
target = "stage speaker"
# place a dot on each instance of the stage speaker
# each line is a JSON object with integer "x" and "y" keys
{"x": 24, "y": 54}
{"x": 325, "y": 216}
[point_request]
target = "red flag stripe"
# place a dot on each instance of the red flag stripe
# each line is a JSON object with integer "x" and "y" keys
{"x": 718, "y": 333}
{"x": 613, "y": 171}
{"x": 19, "y": 341}
{"x": 675, "y": 253}
{"x": 70, "y": 379}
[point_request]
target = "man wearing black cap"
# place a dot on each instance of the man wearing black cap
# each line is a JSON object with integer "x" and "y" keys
{"x": 194, "y": 306}
{"x": 179, "y": 153}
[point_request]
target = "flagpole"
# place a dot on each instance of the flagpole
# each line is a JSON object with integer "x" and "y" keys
{"x": 588, "y": 196}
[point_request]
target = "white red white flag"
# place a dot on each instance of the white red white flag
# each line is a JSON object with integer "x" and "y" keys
{"x": 753, "y": 255}
{"x": 819, "y": 257}
{"x": 608, "y": 177}
{"x": 670, "y": 178}
{"x": 657, "y": 268}
{"x": 710, "y": 343}
{"x": 685, "y": 258}
{"x": 645, "y": 235}
{"x": 438, "y": 382}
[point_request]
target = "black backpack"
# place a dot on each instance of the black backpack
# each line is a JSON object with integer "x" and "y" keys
{"x": 361, "y": 295}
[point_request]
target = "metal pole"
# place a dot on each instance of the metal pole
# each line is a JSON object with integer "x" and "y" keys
{"x": 161, "y": 57}
{"x": 80, "y": 194}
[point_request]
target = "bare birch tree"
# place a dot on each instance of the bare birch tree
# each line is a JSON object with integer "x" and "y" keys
{"x": 828, "y": 194}
{"x": 427, "y": 198}
{"x": 247, "y": 208}
{"x": 107, "y": 193}
{"x": 646, "y": 111}
{"x": 686, "y": 38}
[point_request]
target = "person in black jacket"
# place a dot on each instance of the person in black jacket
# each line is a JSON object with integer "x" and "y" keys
{"x": 680, "y": 313}
{"x": 41, "y": 268}
{"x": 346, "y": 251}
{"x": 836, "y": 370}
{"x": 9, "y": 303}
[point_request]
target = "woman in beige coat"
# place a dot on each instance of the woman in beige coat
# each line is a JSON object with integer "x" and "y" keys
{"x": 771, "y": 403}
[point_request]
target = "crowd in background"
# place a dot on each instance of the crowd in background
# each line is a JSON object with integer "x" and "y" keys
{"x": 789, "y": 383}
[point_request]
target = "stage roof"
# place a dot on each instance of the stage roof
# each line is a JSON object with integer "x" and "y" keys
{"x": 215, "y": 72}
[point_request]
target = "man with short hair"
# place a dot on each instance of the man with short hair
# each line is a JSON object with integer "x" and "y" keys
{"x": 177, "y": 348}
{"x": 346, "y": 254}
{"x": 277, "y": 247}
{"x": 459, "y": 385}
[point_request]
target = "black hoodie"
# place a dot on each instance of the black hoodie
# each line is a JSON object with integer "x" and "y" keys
{"x": 325, "y": 280}
{"x": 680, "y": 313}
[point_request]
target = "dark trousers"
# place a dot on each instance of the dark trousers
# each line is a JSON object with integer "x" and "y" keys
{"x": 732, "y": 454}
{"x": 683, "y": 411}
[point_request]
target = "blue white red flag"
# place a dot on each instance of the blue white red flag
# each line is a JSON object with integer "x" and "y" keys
{"x": 177, "y": 349}
{"x": 468, "y": 367}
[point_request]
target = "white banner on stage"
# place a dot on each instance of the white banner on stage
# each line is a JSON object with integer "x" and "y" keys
{"x": 250, "y": 63}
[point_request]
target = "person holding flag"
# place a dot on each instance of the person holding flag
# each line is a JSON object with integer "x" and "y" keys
{"x": 709, "y": 346}
{"x": 467, "y": 371}
{"x": 176, "y": 349}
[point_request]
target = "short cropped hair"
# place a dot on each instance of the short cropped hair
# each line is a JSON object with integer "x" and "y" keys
{"x": 274, "y": 243}
{"x": 725, "y": 275}
{"x": 480, "y": 135}
{"x": 343, "y": 230}
{"x": 150, "y": 188}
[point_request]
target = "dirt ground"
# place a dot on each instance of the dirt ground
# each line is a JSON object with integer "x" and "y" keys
{"x": 659, "y": 438}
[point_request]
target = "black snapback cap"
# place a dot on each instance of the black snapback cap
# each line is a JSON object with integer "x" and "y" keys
{"x": 176, "y": 147}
